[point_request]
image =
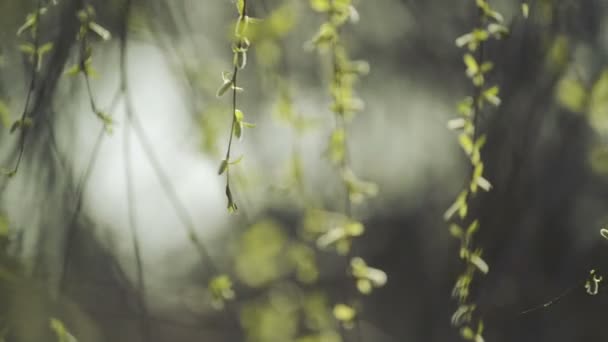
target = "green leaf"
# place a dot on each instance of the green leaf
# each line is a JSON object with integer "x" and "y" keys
{"x": 497, "y": 30}
{"x": 240, "y": 59}
{"x": 30, "y": 21}
{"x": 27, "y": 48}
{"x": 224, "y": 88}
{"x": 221, "y": 290}
{"x": 320, "y": 5}
{"x": 238, "y": 115}
{"x": 21, "y": 124}
{"x": 604, "y": 233}
{"x": 467, "y": 333}
{"x": 106, "y": 119}
{"x": 484, "y": 183}
{"x": 236, "y": 161}
{"x": 336, "y": 145}
{"x": 344, "y": 313}
{"x": 486, "y": 67}
{"x": 354, "y": 229}
{"x": 473, "y": 227}
{"x": 455, "y": 124}
{"x": 471, "y": 64}
{"x": 73, "y": 70}
{"x": 364, "y": 286}
{"x": 525, "y": 10}
{"x": 223, "y": 167}
{"x": 572, "y": 95}
{"x": 100, "y": 31}
{"x": 461, "y": 201}
{"x": 463, "y": 40}
{"x": 232, "y": 207}
{"x": 456, "y": 231}
{"x": 491, "y": 95}
{"x": 465, "y": 107}
{"x": 479, "y": 263}
{"x": 60, "y": 331}
{"x": 240, "y": 7}
{"x": 238, "y": 130}
{"x": 45, "y": 48}
{"x": 466, "y": 143}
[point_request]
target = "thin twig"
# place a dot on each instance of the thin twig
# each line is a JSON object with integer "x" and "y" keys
{"x": 141, "y": 284}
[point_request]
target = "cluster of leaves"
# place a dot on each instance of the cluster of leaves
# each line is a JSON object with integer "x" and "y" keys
{"x": 88, "y": 26}
{"x": 333, "y": 229}
{"x": 281, "y": 269}
{"x": 489, "y": 25}
{"x": 288, "y": 313}
{"x": 240, "y": 47}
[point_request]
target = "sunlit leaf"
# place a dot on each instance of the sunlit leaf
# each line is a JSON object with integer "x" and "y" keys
{"x": 344, "y": 313}
{"x": 100, "y": 31}
{"x": 479, "y": 263}
{"x": 525, "y": 9}
{"x": 467, "y": 333}
{"x": 223, "y": 167}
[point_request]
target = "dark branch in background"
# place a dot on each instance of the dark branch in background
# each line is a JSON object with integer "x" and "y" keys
{"x": 72, "y": 226}
{"x": 141, "y": 284}
{"x": 79, "y": 191}
{"x": 162, "y": 176}
{"x": 164, "y": 179}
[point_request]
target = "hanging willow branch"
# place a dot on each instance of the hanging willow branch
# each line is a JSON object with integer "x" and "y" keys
{"x": 488, "y": 25}
{"x": 240, "y": 46}
{"x": 345, "y": 72}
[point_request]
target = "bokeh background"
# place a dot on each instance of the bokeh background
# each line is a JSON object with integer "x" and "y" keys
{"x": 83, "y": 199}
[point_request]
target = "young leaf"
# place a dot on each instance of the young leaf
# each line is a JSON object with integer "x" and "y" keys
{"x": 238, "y": 130}
{"x": 467, "y": 333}
{"x": 232, "y": 207}
{"x": 471, "y": 64}
{"x": 73, "y": 70}
{"x": 479, "y": 263}
{"x": 484, "y": 183}
{"x": 491, "y": 95}
{"x": 224, "y": 88}
{"x": 466, "y": 143}
{"x": 344, "y": 313}
{"x": 238, "y": 115}
{"x": 457, "y": 123}
{"x": 525, "y": 10}
{"x": 236, "y": 161}
{"x": 45, "y": 48}
{"x": 240, "y": 7}
{"x": 223, "y": 167}
{"x": 320, "y": 5}
{"x": 27, "y": 48}
{"x": 100, "y": 31}
{"x": 456, "y": 231}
